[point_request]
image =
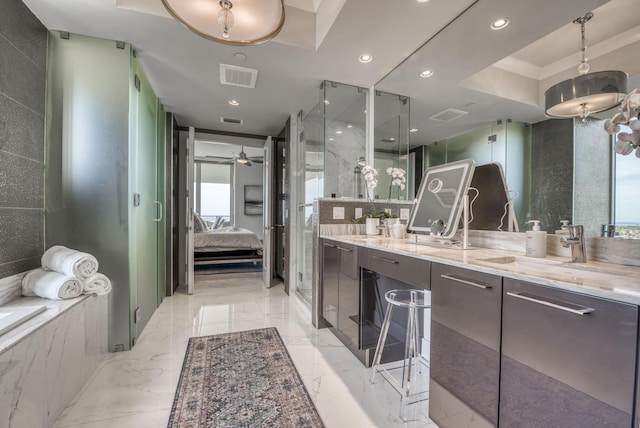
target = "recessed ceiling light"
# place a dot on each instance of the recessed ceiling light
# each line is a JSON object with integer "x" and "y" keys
{"x": 338, "y": 132}
{"x": 422, "y": 1}
{"x": 327, "y": 102}
{"x": 240, "y": 56}
{"x": 234, "y": 103}
{"x": 499, "y": 23}
{"x": 413, "y": 130}
{"x": 365, "y": 58}
{"x": 331, "y": 138}
{"x": 349, "y": 126}
{"x": 426, "y": 73}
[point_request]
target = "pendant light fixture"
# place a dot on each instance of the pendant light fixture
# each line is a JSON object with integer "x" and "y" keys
{"x": 588, "y": 92}
{"x": 239, "y": 23}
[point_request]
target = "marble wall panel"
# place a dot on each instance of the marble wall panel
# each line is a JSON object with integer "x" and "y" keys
{"x": 341, "y": 155}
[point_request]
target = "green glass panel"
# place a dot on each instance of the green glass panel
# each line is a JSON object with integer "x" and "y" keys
{"x": 143, "y": 130}
{"x": 87, "y": 160}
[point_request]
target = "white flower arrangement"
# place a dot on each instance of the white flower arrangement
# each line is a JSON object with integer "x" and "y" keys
{"x": 629, "y": 109}
{"x": 398, "y": 177}
{"x": 370, "y": 174}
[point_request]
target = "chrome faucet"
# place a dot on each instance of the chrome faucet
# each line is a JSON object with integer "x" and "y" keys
{"x": 576, "y": 242}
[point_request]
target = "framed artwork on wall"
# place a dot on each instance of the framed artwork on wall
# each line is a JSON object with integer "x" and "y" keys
{"x": 253, "y": 200}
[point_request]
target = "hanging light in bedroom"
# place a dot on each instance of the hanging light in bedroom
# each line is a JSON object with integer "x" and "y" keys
{"x": 242, "y": 22}
{"x": 588, "y": 92}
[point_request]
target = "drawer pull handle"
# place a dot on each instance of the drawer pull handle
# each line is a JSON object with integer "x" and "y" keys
{"x": 466, "y": 282}
{"x": 330, "y": 245}
{"x": 395, "y": 262}
{"x": 345, "y": 249}
{"x": 580, "y": 310}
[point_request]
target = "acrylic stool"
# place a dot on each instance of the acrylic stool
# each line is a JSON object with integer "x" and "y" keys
{"x": 413, "y": 301}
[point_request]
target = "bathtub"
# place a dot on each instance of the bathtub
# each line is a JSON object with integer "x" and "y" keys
{"x": 13, "y": 316}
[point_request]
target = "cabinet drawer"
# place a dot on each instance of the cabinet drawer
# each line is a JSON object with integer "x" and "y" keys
{"x": 468, "y": 302}
{"x": 576, "y": 349}
{"x": 406, "y": 269}
{"x": 348, "y": 260}
{"x": 465, "y": 345}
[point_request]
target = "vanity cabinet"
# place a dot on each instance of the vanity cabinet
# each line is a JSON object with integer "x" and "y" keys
{"x": 340, "y": 288}
{"x": 465, "y": 347}
{"x": 406, "y": 269}
{"x": 330, "y": 275}
{"x": 568, "y": 360}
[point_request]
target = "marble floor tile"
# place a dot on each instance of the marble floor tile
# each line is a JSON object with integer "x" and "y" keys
{"x": 136, "y": 388}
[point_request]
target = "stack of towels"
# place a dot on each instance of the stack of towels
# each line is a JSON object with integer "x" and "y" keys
{"x": 65, "y": 273}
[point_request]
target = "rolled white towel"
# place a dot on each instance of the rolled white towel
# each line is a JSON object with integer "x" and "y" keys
{"x": 97, "y": 284}
{"x": 70, "y": 262}
{"x": 50, "y": 285}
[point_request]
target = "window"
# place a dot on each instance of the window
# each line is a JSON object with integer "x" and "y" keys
{"x": 213, "y": 193}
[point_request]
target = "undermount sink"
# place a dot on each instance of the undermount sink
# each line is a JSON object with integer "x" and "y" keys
{"x": 565, "y": 269}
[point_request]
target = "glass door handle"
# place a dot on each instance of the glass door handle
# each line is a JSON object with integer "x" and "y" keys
{"x": 158, "y": 205}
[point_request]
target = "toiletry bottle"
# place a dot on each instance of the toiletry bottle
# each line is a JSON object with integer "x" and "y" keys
{"x": 536, "y": 245}
{"x": 564, "y": 228}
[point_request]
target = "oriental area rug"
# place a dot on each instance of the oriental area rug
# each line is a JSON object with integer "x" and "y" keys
{"x": 242, "y": 380}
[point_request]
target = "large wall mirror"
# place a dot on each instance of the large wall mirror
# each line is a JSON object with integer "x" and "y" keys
{"x": 483, "y": 98}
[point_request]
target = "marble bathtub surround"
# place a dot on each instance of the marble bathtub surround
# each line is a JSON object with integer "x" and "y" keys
{"x": 47, "y": 360}
{"x": 11, "y": 288}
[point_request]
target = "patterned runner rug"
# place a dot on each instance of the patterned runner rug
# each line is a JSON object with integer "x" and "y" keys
{"x": 241, "y": 380}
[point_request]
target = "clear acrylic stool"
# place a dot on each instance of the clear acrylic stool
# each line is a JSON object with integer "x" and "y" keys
{"x": 413, "y": 300}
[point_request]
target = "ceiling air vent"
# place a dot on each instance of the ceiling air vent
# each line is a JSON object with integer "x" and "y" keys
{"x": 238, "y": 76}
{"x": 448, "y": 115}
{"x": 230, "y": 120}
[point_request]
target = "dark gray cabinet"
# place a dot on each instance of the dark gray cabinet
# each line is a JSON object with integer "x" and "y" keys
{"x": 465, "y": 347}
{"x": 330, "y": 281}
{"x": 568, "y": 360}
{"x": 340, "y": 288}
{"x": 406, "y": 269}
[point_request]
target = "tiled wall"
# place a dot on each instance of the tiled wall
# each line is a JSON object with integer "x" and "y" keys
{"x": 23, "y": 53}
{"x": 552, "y": 172}
{"x": 592, "y": 169}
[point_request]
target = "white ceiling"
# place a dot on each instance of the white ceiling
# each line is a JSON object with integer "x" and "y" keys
{"x": 503, "y": 72}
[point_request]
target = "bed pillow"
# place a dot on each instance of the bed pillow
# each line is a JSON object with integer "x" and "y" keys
{"x": 198, "y": 224}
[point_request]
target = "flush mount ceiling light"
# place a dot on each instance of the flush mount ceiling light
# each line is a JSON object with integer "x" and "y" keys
{"x": 242, "y": 22}
{"x": 588, "y": 92}
{"x": 234, "y": 103}
{"x": 413, "y": 130}
{"x": 499, "y": 23}
{"x": 365, "y": 58}
{"x": 426, "y": 73}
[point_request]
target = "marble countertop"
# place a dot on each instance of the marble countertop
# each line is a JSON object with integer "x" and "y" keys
{"x": 615, "y": 282}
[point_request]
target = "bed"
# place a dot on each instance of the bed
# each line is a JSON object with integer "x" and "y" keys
{"x": 226, "y": 245}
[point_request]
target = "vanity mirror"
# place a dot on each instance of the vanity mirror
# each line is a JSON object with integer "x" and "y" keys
{"x": 439, "y": 201}
{"x": 480, "y": 77}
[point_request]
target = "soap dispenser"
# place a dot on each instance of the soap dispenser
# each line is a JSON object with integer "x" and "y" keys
{"x": 536, "y": 240}
{"x": 564, "y": 228}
